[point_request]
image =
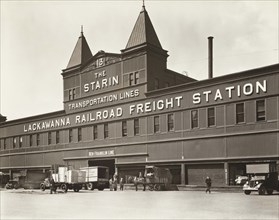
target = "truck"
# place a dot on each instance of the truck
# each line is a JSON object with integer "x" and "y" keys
{"x": 65, "y": 179}
{"x": 96, "y": 177}
{"x": 262, "y": 178}
{"x": 157, "y": 178}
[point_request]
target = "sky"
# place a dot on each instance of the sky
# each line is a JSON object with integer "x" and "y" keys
{"x": 38, "y": 37}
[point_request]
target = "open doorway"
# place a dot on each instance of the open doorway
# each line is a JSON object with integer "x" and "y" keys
{"x": 110, "y": 163}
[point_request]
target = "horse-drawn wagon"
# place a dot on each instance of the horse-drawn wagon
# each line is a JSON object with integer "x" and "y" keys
{"x": 155, "y": 178}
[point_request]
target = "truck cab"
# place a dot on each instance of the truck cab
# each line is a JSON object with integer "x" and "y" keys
{"x": 262, "y": 178}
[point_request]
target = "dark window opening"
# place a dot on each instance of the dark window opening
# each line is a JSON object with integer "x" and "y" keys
{"x": 79, "y": 134}
{"x": 136, "y": 127}
{"x": 106, "y": 131}
{"x": 124, "y": 128}
{"x": 194, "y": 118}
{"x": 170, "y": 122}
{"x": 239, "y": 113}
{"x": 260, "y": 108}
{"x": 211, "y": 117}
{"x": 156, "y": 124}
{"x": 71, "y": 135}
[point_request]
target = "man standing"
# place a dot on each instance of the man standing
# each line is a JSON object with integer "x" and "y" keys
{"x": 121, "y": 182}
{"x": 208, "y": 184}
{"x": 52, "y": 185}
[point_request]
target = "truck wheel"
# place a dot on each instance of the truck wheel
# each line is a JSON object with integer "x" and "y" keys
{"x": 76, "y": 189}
{"x": 247, "y": 192}
{"x": 43, "y": 187}
{"x": 90, "y": 186}
{"x": 262, "y": 190}
{"x": 269, "y": 191}
{"x": 64, "y": 188}
{"x": 16, "y": 186}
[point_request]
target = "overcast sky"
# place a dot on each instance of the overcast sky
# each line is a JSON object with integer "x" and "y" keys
{"x": 38, "y": 37}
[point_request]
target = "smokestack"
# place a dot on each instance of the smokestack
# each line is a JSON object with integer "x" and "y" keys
{"x": 210, "y": 57}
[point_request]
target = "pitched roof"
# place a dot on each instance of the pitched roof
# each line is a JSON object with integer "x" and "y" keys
{"x": 143, "y": 32}
{"x": 81, "y": 53}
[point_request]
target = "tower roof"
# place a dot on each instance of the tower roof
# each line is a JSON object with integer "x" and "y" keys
{"x": 81, "y": 52}
{"x": 143, "y": 32}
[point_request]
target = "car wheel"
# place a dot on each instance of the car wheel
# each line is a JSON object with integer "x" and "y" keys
{"x": 247, "y": 192}
{"x": 262, "y": 190}
{"x": 269, "y": 191}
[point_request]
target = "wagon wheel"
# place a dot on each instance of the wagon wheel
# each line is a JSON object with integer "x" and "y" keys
{"x": 157, "y": 187}
{"x": 151, "y": 187}
{"x": 64, "y": 188}
{"x": 43, "y": 187}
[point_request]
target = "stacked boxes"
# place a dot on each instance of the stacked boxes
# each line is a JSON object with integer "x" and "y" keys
{"x": 75, "y": 176}
{"x": 62, "y": 174}
{"x": 69, "y": 176}
{"x": 91, "y": 174}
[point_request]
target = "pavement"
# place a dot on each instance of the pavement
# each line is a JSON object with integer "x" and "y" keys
{"x": 130, "y": 204}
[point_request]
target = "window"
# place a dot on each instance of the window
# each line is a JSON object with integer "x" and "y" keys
{"x": 156, "y": 83}
{"x": 14, "y": 142}
{"x": 49, "y": 138}
{"x": 239, "y": 111}
{"x": 5, "y": 143}
{"x": 170, "y": 122}
{"x": 194, "y": 119}
{"x": 95, "y": 132}
{"x": 260, "y": 108}
{"x": 71, "y": 135}
{"x": 136, "y": 78}
{"x": 74, "y": 93}
{"x": 20, "y": 141}
{"x": 70, "y": 94}
{"x": 136, "y": 127}
{"x": 38, "y": 139}
{"x": 133, "y": 78}
{"x": 79, "y": 134}
{"x": 30, "y": 140}
{"x": 57, "y": 134}
{"x": 167, "y": 84}
{"x": 106, "y": 131}
{"x": 124, "y": 128}
{"x": 210, "y": 117}
{"x": 156, "y": 124}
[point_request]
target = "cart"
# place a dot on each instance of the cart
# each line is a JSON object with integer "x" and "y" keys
{"x": 157, "y": 178}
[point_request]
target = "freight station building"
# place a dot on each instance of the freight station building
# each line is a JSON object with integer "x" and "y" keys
{"x": 127, "y": 110}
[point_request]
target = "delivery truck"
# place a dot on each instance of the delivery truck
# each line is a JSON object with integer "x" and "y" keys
{"x": 96, "y": 177}
{"x": 65, "y": 179}
{"x": 262, "y": 178}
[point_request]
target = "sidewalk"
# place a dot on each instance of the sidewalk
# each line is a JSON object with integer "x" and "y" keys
{"x": 237, "y": 189}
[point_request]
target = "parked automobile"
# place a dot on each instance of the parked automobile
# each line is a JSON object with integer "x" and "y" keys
{"x": 45, "y": 185}
{"x": 12, "y": 184}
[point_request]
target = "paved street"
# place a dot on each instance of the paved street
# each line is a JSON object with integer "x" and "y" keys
{"x": 34, "y": 204}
